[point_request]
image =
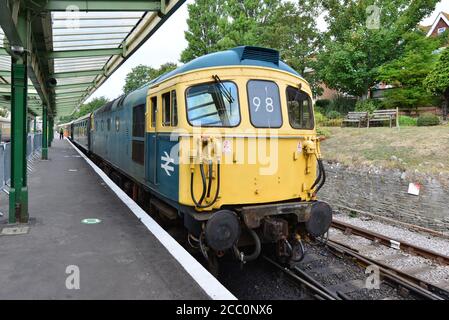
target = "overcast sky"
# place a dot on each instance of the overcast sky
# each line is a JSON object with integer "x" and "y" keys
{"x": 167, "y": 43}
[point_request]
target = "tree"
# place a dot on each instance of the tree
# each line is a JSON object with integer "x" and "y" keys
{"x": 142, "y": 74}
{"x": 407, "y": 73}
{"x": 245, "y": 21}
{"x": 289, "y": 27}
{"x": 203, "y": 32}
{"x": 363, "y": 37}
{"x": 215, "y": 25}
{"x": 293, "y": 31}
{"x": 93, "y": 105}
{"x": 85, "y": 108}
{"x": 438, "y": 80}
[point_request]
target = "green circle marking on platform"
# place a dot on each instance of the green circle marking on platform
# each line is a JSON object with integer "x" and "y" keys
{"x": 91, "y": 221}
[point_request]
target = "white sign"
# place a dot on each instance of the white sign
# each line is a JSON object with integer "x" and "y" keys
{"x": 166, "y": 166}
{"x": 227, "y": 148}
{"x": 413, "y": 188}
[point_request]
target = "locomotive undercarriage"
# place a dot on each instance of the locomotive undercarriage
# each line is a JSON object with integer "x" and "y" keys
{"x": 285, "y": 225}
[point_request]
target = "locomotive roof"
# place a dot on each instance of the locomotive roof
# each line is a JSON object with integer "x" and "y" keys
{"x": 239, "y": 56}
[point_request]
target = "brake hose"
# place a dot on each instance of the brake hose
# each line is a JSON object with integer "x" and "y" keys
{"x": 209, "y": 186}
{"x": 217, "y": 191}
{"x": 320, "y": 163}
{"x": 203, "y": 179}
{"x": 319, "y": 174}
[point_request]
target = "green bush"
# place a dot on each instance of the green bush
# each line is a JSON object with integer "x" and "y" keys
{"x": 323, "y": 132}
{"x": 333, "y": 114}
{"x": 332, "y": 123}
{"x": 428, "y": 119}
{"x": 366, "y": 105}
{"x": 322, "y": 104}
{"x": 407, "y": 121}
{"x": 342, "y": 104}
{"x": 319, "y": 118}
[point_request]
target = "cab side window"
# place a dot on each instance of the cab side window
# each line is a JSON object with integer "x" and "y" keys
{"x": 153, "y": 111}
{"x": 169, "y": 109}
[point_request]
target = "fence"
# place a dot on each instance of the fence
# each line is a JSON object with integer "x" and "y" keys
{"x": 34, "y": 144}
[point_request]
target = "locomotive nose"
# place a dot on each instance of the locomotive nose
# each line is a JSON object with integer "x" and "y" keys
{"x": 320, "y": 219}
{"x": 222, "y": 230}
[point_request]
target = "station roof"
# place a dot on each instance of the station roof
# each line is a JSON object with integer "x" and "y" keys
{"x": 78, "y": 43}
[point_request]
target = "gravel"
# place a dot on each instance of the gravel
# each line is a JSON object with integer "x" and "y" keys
{"x": 259, "y": 280}
{"x": 429, "y": 242}
{"x": 436, "y": 274}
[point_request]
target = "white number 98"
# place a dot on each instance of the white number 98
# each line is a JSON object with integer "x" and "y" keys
{"x": 268, "y": 104}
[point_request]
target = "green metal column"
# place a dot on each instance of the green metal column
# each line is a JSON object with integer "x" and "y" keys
{"x": 44, "y": 134}
{"x": 50, "y": 130}
{"x": 18, "y": 196}
{"x": 34, "y": 125}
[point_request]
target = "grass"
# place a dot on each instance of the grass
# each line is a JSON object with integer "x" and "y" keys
{"x": 408, "y": 148}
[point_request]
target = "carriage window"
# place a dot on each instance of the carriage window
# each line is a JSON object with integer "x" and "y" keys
{"x": 264, "y": 104}
{"x": 213, "y": 105}
{"x": 166, "y": 109}
{"x": 109, "y": 124}
{"x": 139, "y": 121}
{"x": 102, "y": 125}
{"x": 299, "y": 107}
{"x": 153, "y": 111}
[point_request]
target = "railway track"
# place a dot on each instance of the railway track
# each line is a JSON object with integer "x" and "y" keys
{"x": 419, "y": 267}
{"x": 334, "y": 272}
{"x": 393, "y": 243}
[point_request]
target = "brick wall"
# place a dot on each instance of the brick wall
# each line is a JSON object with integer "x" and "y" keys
{"x": 440, "y": 24}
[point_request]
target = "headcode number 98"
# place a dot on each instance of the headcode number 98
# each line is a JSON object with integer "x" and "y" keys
{"x": 268, "y": 104}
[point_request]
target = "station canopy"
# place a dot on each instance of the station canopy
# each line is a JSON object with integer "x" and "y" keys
{"x": 77, "y": 43}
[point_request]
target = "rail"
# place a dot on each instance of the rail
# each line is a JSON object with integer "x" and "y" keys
{"x": 387, "y": 241}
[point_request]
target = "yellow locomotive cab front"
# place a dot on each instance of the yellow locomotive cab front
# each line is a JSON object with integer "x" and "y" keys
{"x": 260, "y": 162}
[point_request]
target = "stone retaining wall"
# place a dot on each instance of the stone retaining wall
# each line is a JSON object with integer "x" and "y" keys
{"x": 385, "y": 192}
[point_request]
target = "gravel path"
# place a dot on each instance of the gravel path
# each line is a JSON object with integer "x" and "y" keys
{"x": 430, "y": 242}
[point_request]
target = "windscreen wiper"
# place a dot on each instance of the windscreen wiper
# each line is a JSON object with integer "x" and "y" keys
{"x": 227, "y": 94}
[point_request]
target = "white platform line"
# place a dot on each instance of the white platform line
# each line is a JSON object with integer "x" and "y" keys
{"x": 213, "y": 288}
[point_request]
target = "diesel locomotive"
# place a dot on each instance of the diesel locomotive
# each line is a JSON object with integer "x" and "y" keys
{"x": 227, "y": 144}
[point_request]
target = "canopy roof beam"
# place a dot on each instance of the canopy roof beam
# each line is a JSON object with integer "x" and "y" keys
{"x": 128, "y": 5}
{"x": 84, "y": 53}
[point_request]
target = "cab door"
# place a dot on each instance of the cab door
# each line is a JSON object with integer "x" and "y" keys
{"x": 151, "y": 138}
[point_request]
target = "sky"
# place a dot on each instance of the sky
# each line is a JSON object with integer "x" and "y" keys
{"x": 168, "y": 42}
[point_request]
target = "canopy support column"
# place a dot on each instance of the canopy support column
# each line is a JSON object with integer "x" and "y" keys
{"x": 18, "y": 195}
{"x": 50, "y": 130}
{"x": 44, "y": 133}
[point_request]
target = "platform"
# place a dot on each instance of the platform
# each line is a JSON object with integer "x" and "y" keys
{"x": 118, "y": 258}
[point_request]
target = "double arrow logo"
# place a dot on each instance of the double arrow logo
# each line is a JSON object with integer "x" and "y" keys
{"x": 166, "y": 166}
